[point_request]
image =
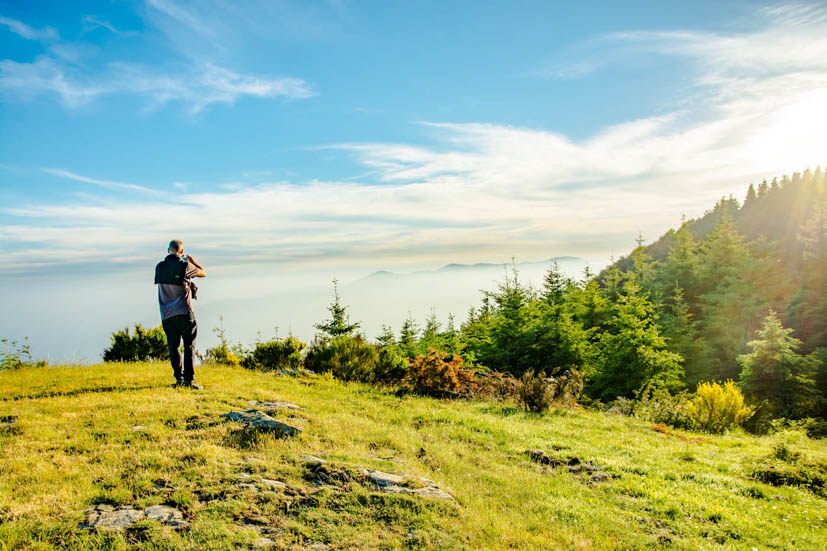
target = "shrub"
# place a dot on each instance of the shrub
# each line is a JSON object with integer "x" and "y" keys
{"x": 391, "y": 365}
{"x": 275, "y": 354}
{"x": 566, "y": 388}
{"x": 140, "y": 346}
{"x": 224, "y": 353}
{"x": 657, "y": 405}
{"x": 717, "y": 407}
{"x": 493, "y": 385}
{"x": 349, "y": 358}
{"x": 535, "y": 391}
{"x": 14, "y": 356}
{"x": 438, "y": 374}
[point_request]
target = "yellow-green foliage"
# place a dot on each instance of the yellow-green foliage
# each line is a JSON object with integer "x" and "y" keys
{"x": 717, "y": 407}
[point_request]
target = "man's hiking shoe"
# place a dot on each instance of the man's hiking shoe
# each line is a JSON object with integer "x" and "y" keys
{"x": 193, "y": 385}
{"x": 178, "y": 383}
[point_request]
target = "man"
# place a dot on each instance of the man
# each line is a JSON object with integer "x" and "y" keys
{"x": 175, "y": 293}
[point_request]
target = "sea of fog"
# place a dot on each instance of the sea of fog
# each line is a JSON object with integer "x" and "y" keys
{"x": 68, "y": 318}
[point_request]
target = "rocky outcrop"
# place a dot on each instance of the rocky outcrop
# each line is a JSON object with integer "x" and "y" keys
{"x": 405, "y": 484}
{"x": 258, "y": 420}
{"x": 273, "y": 405}
{"x": 106, "y": 518}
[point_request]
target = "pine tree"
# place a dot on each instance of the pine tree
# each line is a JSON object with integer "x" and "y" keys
{"x": 774, "y": 373}
{"x": 430, "y": 334}
{"x": 632, "y": 352}
{"x": 751, "y": 196}
{"x": 386, "y": 337}
{"x": 555, "y": 284}
{"x": 339, "y": 323}
{"x": 763, "y": 188}
{"x": 681, "y": 334}
{"x": 408, "y": 337}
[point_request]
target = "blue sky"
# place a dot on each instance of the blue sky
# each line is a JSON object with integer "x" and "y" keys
{"x": 387, "y": 133}
{"x": 342, "y": 135}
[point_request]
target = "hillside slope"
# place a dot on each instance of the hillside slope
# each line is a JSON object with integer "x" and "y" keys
{"x": 119, "y": 435}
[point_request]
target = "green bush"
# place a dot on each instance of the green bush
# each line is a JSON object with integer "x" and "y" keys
{"x": 349, "y": 358}
{"x": 142, "y": 345}
{"x": 391, "y": 365}
{"x": 275, "y": 354}
{"x": 717, "y": 407}
{"x": 657, "y": 405}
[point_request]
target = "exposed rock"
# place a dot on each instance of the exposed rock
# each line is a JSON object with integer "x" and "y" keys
{"x": 247, "y": 486}
{"x": 253, "y": 461}
{"x": 405, "y": 484}
{"x": 539, "y": 456}
{"x": 311, "y": 461}
{"x": 138, "y": 428}
{"x": 291, "y": 372}
{"x": 261, "y": 421}
{"x": 318, "y": 547}
{"x": 263, "y": 543}
{"x": 106, "y": 518}
{"x": 244, "y": 476}
{"x": 272, "y": 405}
{"x": 164, "y": 514}
{"x": 276, "y": 484}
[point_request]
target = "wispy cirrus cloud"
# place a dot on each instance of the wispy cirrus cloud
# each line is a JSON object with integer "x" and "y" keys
{"x": 27, "y": 32}
{"x": 196, "y": 87}
{"x": 107, "y": 184}
{"x": 92, "y": 22}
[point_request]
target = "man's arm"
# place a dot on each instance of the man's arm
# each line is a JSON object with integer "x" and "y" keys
{"x": 200, "y": 272}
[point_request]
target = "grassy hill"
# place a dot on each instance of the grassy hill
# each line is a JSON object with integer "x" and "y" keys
{"x": 73, "y": 446}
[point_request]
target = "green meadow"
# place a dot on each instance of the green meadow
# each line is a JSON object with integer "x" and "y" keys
{"x": 74, "y": 446}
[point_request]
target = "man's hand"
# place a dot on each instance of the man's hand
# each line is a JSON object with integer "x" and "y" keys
{"x": 201, "y": 272}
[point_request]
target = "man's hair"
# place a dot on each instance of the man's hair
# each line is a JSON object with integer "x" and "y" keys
{"x": 175, "y": 245}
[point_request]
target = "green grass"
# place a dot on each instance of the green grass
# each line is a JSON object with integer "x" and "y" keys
{"x": 75, "y": 448}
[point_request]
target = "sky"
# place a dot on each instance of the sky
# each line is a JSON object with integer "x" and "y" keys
{"x": 287, "y": 143}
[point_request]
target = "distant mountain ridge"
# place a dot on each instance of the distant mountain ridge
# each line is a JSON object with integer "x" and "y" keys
{"x": 451, "y": 267}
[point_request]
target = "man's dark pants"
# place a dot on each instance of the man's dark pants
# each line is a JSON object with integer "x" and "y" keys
{"x": 177, "y": 328}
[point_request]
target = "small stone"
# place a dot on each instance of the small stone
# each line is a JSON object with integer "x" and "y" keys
{"x": 319, "y": 547}
{"x": 253, "y": 460}
{"x": 259, "y": 420}
{"x": 393, "y": 483}
{"x": 272, "y": 405}
{"x": 273, "y": 483}
{"x": 105, "y": 507}
{"x": 163, "y": 513}
{"x": 117, "y": 520}
{"x": 263, "y": 543}
{"x": 246, "y": 486}
{"x": 312, "y": 461}
{"x": 244, "y": 476}
{"x": 138, "y": 428}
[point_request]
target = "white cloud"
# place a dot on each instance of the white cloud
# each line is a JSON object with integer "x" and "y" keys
{"x": 92, "y": 22}
{"x": 197, "y": 87}
{"x": 108, "y": 184}
{"x": 30, "y": 33}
